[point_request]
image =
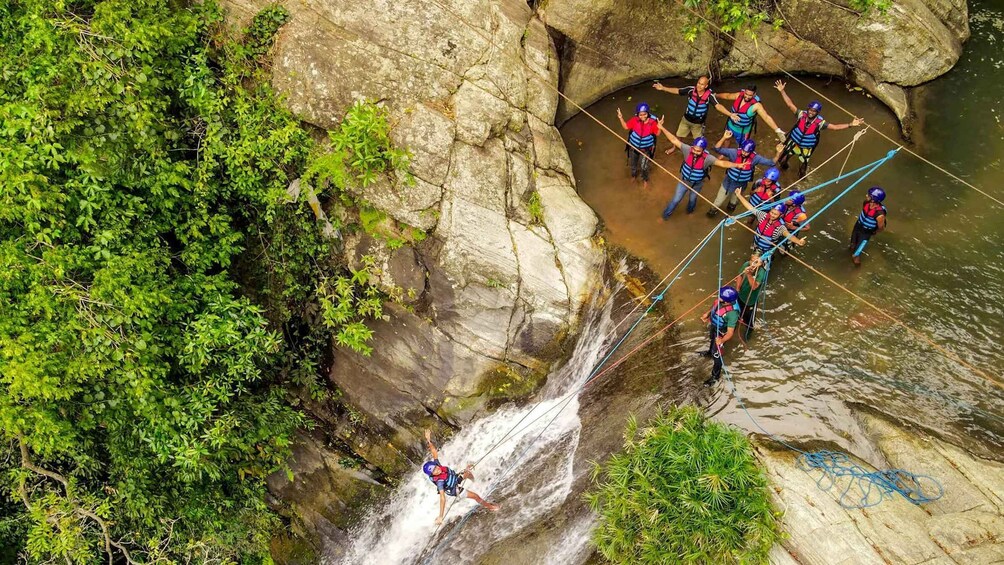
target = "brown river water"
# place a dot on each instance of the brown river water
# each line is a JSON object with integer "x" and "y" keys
{"x": 939, "y": 267}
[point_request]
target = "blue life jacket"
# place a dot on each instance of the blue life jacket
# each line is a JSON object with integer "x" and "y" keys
{"x": 766, "y": 231}
{"x": 697, "y": 106}
{"x": 745, "y": 173}
{"x": 805, "y": 134}
{"x": 718, "y": 312}
{"x": 692, "y": 170}
{"x": 651, "y": 131}
{"x": 763, "y": 193}
{"x": 870, "y": 212}
{"x": 746, "y": 116}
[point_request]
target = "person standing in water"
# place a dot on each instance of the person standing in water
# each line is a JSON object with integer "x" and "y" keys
{"x": 696, "y": 167}
{"x": 750, "y": 280}
{"x": 700, "y": 98}
{"x": 642, "y": 133}
{"x": 804, "y": 135}
{"x": 722, "y": 320}
{"x": 746, "y": 107}
{"x": 871, "y": 220}
{"x": 769, "y": 230}
{"x": 448, "y": 481}
{"x": 765, "y": 190}
{"x": 745, "y": 160}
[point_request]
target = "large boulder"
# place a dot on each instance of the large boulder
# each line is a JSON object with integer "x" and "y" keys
{"x": 610, "y": 44}
{"x": 495, "y": 288}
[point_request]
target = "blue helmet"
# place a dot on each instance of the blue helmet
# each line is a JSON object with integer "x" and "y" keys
{"x": 780, "y": 207}
{"x": 877, "y": 194}
{"x": 796, "y": 197}
{"x": 643, "y": 107}
{"x": 429, "y": 467}
{"x": 748, "y": 146}
{"x": 701, "y": 142}
{"x": 815, "y": 105}
{"x": 772, "y": 174}
{"x": 728, "y": 294}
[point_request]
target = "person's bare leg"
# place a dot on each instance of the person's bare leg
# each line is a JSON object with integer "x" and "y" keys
{"x": 474, "y": 496}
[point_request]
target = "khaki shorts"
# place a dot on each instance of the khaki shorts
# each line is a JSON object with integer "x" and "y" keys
{"x": 688, "y": 128}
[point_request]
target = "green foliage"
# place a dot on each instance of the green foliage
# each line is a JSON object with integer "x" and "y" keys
{"x": 745, "y": 16}
{"x": 158, "y": 291}
{"x": 685, "y": 490}
{"x": 535, "y": 208}
{"x": 864, "y": 6}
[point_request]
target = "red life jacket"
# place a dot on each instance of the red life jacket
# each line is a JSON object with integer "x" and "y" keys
{"x": 740, "y": 106}
{"x": 792, "y": 213}
{"x": 810, "y": 128}
{"x": 700, "y": 98}
{"x": 767, "y": 227}
{"x": 764, "y": 191}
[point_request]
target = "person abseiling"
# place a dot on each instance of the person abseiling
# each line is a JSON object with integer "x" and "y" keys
{"x": 722, "y": 320}
{"x": 642, "y": 133}
{"x": 765, "y": 189}
{"x": 746, "y": 107}
{"x": 700, "y": 98}
{"x": 750, "y": 281}
{"x": 795, "y": 216}
{"x": 804, "y": 135}
{"x": 871, "y": 220}
{"x": 746, "y": 161}
{"x": 696, "y": 167}
{"x": 448, "y": 481}
{"x": 769, "y": 228}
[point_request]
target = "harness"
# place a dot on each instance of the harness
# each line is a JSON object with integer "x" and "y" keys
{"x": 643, "y": 135}
{"x": 805, "y": 133}
{"x": 697, "y": 106}
{"x": 747, "y": 121}
{"x": 692, "y": 170}
{"x": 766, "y": 232}
{"x": 451, "y": 480}
{"x": 745, "y": 173}
{"x": 870, "y": 211}
{"x": 789, "y": 216}
{"x": 762, "y": 192}
{"x": 718, "y": 313}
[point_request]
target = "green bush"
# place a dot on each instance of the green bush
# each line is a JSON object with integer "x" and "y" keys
{"x": 160, "y": 297}
{"x": 685, "y": 490}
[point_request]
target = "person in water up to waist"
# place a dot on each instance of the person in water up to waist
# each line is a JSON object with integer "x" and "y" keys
{"x": 746, "y": 161}
{"x": 803, "y": 138}
{"x": 700, "y": 99}
{"x": 746, "y": 107}
{"x": 750, "y": 280}
{"x": 696, "y": 167}
{"x": 643, "y": 130}
{"x": 448, "y": 481}
{"x": 769, "y": 230}
{"x": 765, "y": 189}
{"x": 722, "y": 320}
{"x": 871, "y": 220}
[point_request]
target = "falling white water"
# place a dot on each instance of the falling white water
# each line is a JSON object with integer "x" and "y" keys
{"x": 401, "y": 531}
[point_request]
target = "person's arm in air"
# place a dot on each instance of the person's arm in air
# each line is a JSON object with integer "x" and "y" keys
{"x": 723, "y": 163}
{"x": 854, "y": 123}
{"x": 432, "y": 448}
{"x": 749, "y": 273}
{"x": 621, "y": 118}
{"x": 762, "y": 112}
{"x": 669, "y": 89}
{"x": 779, "y": 85}
{"x": 725, "y": 151}
{"x": 761, "y": 161}
{"x": 672, "y": 138}
{"x": 746, "y": 203}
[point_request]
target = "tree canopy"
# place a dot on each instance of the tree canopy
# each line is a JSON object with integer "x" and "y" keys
{"x": 159, "y": 291}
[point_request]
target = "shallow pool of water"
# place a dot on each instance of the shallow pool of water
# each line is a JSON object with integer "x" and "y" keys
{"x": 939, "y": 267}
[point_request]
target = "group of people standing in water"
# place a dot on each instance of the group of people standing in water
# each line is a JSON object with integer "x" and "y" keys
{"x": 775, "y": 219}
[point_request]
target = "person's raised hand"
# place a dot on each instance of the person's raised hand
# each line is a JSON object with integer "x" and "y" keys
{"x": 439, "y": 521}
{"x": 619, "y": 115}
{"x": 657, "y": 86}
{"x": 857, "y": 121}
{"x": 727, "y": 134}
{"x": 779, "y": 85}
{"x": 428, "y": 436}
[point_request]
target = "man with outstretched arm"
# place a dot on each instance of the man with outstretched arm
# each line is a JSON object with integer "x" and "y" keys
{"x": 745, "y": 160}
{"x": 804, "y": 135}
{"x": 448, "y": 481}
{"x": 746, "y": 107}
{"x": 699, "y": 99}
{"x": 696, "y": 167}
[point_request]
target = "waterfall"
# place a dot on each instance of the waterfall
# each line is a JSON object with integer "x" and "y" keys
{"x": 402, "y": 529}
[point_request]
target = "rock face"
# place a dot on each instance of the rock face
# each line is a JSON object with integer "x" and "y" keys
{"x": 966, "y": 526}
{"x": 498, "y": 285}
{"x": 611, "y": 44}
